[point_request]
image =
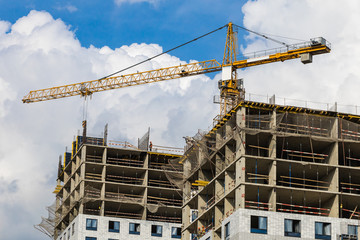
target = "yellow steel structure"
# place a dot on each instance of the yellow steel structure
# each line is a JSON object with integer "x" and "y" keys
{"x": 200, "y": 183}
{"x": 230, "y": 51}
{"x": 231, "y": 91}
{"x": 57, "y": 188}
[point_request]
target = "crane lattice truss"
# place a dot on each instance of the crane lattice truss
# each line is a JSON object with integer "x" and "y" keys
{"x": 229, "y": 89}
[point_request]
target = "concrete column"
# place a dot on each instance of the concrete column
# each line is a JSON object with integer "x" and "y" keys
{"x": 187, "y": 184}
{"x": 220, "y": 164}
{"x": 334, "y": 207}
{"x": 229, "y": 207}
{"x": 146, "y": 178}
{"x": 144, "y": 202}
{"x": 144, "y": 213}
{"x": 272, "y": 174}
{"x": 77, "y": 160}
{"x": 217, "y": 235}
{"x": 104, "y": 156}
{"x": 240, "y": 117}
{"x": 334, "y": 130}
{"x": 219, "y": 189}
{"x": 334, "y": 154}
{"x": 240, "y": 197}
{"x": 219, "y": 216}
{"x": 102, "y": 208}
{"x": 102, "y": 192}
{"x": 229, "y": 156}
{"x": 218, "y": 137}
{"x": 333, "y": 180}
{"x": 146, "y": 160}
{"x": 272, "y": 170}
{"x": 240, "y": 174}
{"x": 272, "y": 144}
{"x": 83, "y": 154}
{"x": 73, "y": 166}
{"x": 240, "y": 136}
{"x": 185, "y": 235}
{"x": 201, "y": 203}
{"x": 272, "y": 200}
{"x": 82, "y": 193}
{"x": 186, "y": 215}
{"x": 66, "y": 176}
{"x": 229, "y": 181}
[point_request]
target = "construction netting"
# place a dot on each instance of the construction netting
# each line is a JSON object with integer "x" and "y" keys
{"x": 307, "y": 124}
{"x": 198, "y": 152}
{"x": 199, "y": 148}
{"x": 288, "y": 127}
{"x": 349, "y": 130}
{"x": 47, "y": 224}
{"x": 296, "y": 123}
{"x": 143, "y": 142}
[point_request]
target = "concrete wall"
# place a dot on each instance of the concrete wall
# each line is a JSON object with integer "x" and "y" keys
{"x": 240, "y": 225}
{"x": 102, "y": 232}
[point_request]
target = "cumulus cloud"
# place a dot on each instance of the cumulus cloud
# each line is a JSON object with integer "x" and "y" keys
{"x": 4, "y": 27}
{"x": 331, "y": 77}
{"x": 7, "y": 95}
{"x": 119, "y": 2}
{"x": 38, "y": 51}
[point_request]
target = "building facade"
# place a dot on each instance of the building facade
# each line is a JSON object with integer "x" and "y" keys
{"x": 92, "y": 227}
{"x": 267, "y": 171}
{"x": 118, "y": 191}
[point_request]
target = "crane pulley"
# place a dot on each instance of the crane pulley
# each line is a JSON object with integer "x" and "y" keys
{"x": 231, "y": 90}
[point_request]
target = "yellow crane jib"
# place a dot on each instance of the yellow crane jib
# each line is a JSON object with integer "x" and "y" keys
{"x": 231, "y": 88}
{"x": 89, "y": 87}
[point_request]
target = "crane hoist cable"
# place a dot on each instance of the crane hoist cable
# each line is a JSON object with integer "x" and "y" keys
{"x": 279, "y": 36}
{"x": 158, "y": 55}
{"x": 193, "y": 40}
{"x": 262, "y": 35}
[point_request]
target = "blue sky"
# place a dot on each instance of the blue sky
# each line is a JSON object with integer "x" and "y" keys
{"x": 167, "y": 23}
{"x": 51, "y": 43}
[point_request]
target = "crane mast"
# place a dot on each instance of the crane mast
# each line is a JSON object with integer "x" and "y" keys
{"x": 231, "y": 88}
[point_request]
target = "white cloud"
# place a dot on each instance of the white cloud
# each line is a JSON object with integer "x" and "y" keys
{"x": 331, "y": 77}
{"x": 4, "y": 27}
{"x": 38, "y": 51}
{"x": 68, "y": 7}
{"x": 119, "y": 2}
{"x": 7, "y": 94}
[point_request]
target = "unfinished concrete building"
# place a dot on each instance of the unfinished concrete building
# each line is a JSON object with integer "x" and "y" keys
{"x": 267, "y": 171}
{"x": 117, "y": 191}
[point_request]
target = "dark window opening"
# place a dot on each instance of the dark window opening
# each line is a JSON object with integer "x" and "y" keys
{"x": 156, "y": 230}
{"x": 134, "y": 228}
{"x": 353, "y": 230}
{"x": 90, "y": 238}
{"x": 73, "y": 229}
{"x": 114, "y": 226}
{"x": 227, "y": 230}
{"x": 175, "y": 232}
{"x": 258, "y": 224}
{"x": 292, "y": 228}
{"x": 322, "y": 230}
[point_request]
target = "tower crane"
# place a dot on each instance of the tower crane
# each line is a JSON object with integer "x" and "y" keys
{"x": 231, "y": 88}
